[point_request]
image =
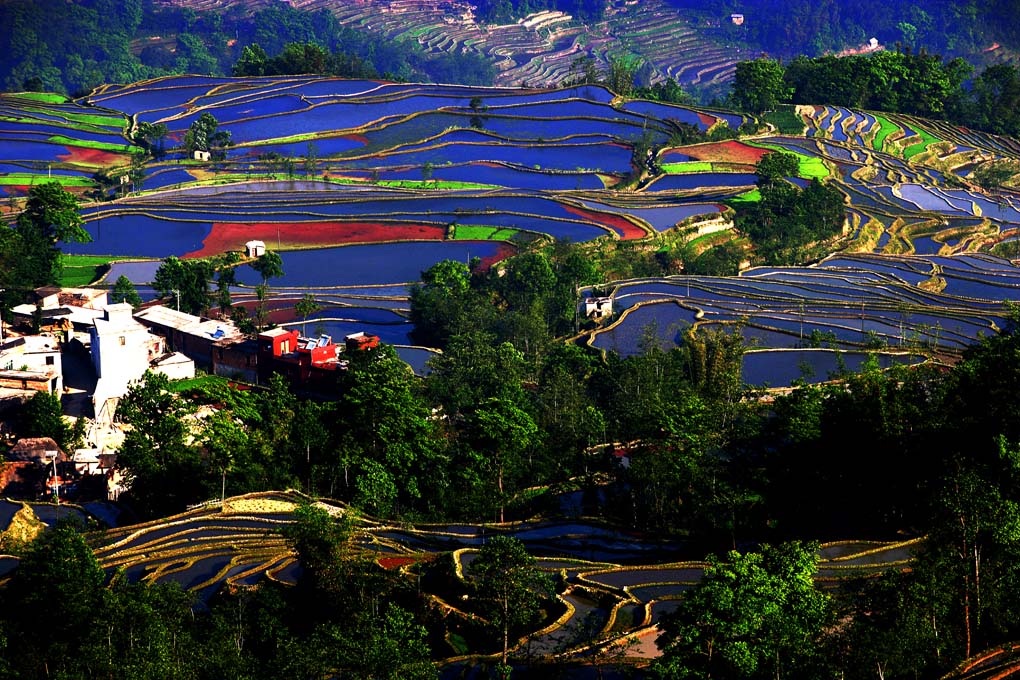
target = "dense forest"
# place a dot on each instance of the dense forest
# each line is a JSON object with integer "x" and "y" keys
{"x": 73, "y": 47}
{"x": 916, "y": 83}
{"x": 924, "y": 451}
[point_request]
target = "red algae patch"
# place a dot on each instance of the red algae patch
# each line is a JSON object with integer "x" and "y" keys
{"x": 503, "y": 251}
{"x": 395, "y": 562}
{"x": 707, "y": 119}
{"x": 226, "y": 236}
{"x": 730, "y": 151}
{"x": 626, "y": 229}
{"x": 86, "y": 156}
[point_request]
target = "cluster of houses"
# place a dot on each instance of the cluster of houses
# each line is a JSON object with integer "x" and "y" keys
{"x": 110, "y": 347}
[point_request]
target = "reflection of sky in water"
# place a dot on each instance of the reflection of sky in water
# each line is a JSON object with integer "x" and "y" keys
{"x": 367, "y": 264}
{"x": 779, "y": 369}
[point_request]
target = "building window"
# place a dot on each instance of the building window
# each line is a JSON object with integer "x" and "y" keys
{"x": 123, "y": 341}
{"x": 49, "y": 361}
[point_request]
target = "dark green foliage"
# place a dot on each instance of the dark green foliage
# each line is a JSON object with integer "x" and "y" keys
{"x": 510, "y": 586}
{"x": 787, "y": 220}
{"x": 758, "y": 86}
{"x": 507, "y": 11}
{"x": 816, "y": 27}
{"x": 775, "y": 166}
{"x": 124, "y": 291}
{"x": 164, "y": 471}
{"x": 906, "y": 82}
{"x": 30, "y": 253}
{"x": 136, "y": 631}
{"x": 917, "y": 83}
{"x": 205, "y": 135}
{"x": 756, "y": 615}
{"x": 185, "y": 282}
{"x": 43, "y": 417}
{"x": 721, "y": 260}
{"x": 383, "y": 430}
{"x": 50, "y": 46}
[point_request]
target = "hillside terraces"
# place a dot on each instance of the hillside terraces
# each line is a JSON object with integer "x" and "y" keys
{"x": 622, "y": 582}
{"x": 362, "y": 185}
{"x": 540, "y": 48}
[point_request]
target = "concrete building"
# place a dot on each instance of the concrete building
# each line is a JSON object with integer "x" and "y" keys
{"x": 175, "y": 366}
{"x": 122, "y": 350}
{"x": 192, "y": 335}
{"x": 598, "y": 307}
{"x": 61, "y": 310}
{"x": 31, "y": 362}
{"x": 254, "y": 248}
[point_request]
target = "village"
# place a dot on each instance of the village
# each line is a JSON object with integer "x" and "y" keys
{"x": 77, "y": 346}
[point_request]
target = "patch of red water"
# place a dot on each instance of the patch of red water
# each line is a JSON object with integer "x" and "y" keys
{"x": 625, "y": 228}
{"x": 503, "y": 251}
{"x": 730, "y": 151}
{"x": 226, "y": 236}
{"x": 707, "y": 119}
{"x": 85, "y": 156}
{"x": 395, "y": 562}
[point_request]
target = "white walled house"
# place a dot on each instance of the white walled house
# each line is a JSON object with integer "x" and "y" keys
{"x": 122, "y": 350}
{"x": 255, "y": 248}
{"x": 121, "y": 347}
{"x": 38, "y": 355}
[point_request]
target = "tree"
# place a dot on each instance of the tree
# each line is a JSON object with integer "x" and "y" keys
{"x": 57, "y": 588}
{"x": 477, "y": 109}
{"x": 621, "y": 75}
{"x": 775, "y": 166}
{"x": 205, "y": 135}
{"x": 187, "y": 281}
{"x": 509, "y": 585}
{"x": 152, "y": 135}
{"x": 384, "y": 425}
{"x": 252, "y": 62}
{"x": 502, "y": 433}
{"x": 443, "y": 304}
{"x": 124, "y": 291}
{"x": 50, "y": 216}
{"x": 758, "y": 86}
{"x": 163, "y": 470}
{"x": 311, "y": 159}
{"x": 305, "y": 307}
{"x": 756, "y": 615}
{"x": 268, "y": 266}
{"x": 44, "y": 417}
{"x": 225, "y": 278}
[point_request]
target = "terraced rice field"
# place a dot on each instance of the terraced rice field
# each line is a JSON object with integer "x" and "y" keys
{"x": 813, "y": 323}
{"x": 623, "y": 582}
{"x": 57, "y": 140}
{"x": 400, "y": 175}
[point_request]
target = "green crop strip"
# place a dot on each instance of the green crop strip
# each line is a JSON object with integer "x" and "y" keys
{"x": 479, "y": 232}
{"x": 431, "y": 184}
{"x": 808, "y": 167}
{"x": 101, "y": 146}
{"x": 786, "y": 121}
{"x": 81, "y": 270}
{"x": 686, "y": 167}
{"x": 919, "y": 147}
{"x": 885, "y": 128}
{"x": 87, "y": 118}
{"x": 198, "y": 382}
{"x": 47, "y": 97}
{"x": 752, "y": 196}
{"x": 26, "y": 178}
